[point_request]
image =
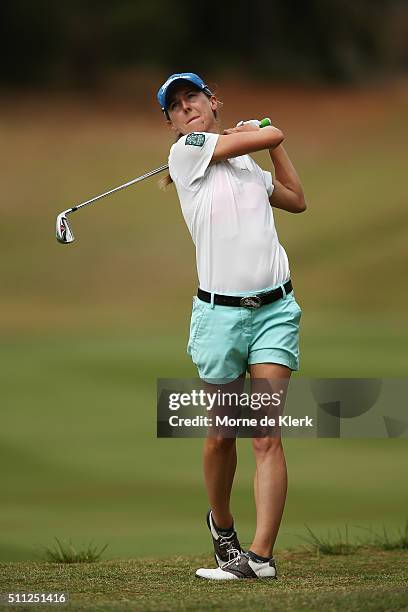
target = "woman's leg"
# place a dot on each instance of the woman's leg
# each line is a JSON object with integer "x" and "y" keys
{"x": 220, "y": 462}
{"x": 270, "y": 482}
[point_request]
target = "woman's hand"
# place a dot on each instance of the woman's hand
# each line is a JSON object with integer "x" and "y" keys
{"x": 247, "y": 137}
{"x": 250, "y": 126}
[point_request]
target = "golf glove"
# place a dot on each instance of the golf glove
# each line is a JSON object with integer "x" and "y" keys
{"x": 253, "y": 121}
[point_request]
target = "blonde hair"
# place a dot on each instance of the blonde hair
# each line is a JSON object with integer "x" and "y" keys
{"x": 165, "y": 181}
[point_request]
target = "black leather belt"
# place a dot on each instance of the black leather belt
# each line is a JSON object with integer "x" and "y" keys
{"x": 250, "y": 301}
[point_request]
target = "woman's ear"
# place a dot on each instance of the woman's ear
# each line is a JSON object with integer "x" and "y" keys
{"x": 174, "y": 129}
{"x": 170, "y": 125}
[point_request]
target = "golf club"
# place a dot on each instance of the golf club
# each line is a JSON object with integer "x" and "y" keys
{"x": 63, "y": 231}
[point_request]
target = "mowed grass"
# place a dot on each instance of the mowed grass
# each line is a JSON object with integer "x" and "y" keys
{"x": 78, "y": 441}
{"x": 87, "y": 329}
{"x": 368, "y": 580}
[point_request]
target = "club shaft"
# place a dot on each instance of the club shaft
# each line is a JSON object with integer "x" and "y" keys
{"x": 128, "y": 184}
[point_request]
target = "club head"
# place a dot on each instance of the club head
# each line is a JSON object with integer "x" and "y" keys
{"x": 63, "y": 231}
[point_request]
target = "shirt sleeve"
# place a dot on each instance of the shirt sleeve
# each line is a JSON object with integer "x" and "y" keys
{"x": 190, "y": 157}
{"x": 267, "y": 178}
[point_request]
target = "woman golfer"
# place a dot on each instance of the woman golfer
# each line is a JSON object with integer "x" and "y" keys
{"x": 245, "y": 316}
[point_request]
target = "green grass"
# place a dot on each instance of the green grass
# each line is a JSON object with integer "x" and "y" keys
{"x": 368, "y": 580}
{"x": 66, "y": 552}
{"x": 78, "y": 439}
{"x": 87, "y": 329}
{"x": 388, "y": 541}
{"x": 337, "y": 544}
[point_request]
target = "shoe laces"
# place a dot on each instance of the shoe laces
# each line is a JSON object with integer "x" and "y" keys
{"x": 227, "y": 543}
{"x": 235, "y": 559}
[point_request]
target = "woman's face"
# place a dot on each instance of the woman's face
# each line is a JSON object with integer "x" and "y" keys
{"x": 190, "y": 110}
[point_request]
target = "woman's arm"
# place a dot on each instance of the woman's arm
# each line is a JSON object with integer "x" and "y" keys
{"x": 288, "y": 192}
{"x": 246, "y": 139}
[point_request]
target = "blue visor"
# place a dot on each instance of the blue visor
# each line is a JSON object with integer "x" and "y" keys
{"x": 180, "y": 76}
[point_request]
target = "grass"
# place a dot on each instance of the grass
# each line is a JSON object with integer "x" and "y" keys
{"x": 330, "y": 544}
{"x": 338, "y": 544}
{"x": 86, "y": 330}
{"x": 386, "y": 541}
{"x": 78, "y": 440}
{"x": 368, "y": 580}
{"x": 65, "y": 552}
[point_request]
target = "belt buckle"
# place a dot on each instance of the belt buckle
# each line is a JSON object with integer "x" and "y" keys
{"x": 251, "y": 301}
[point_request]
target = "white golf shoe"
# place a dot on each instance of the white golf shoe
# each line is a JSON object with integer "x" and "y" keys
{"x": 240, "y": 567}
{"x": 226, "y": 547}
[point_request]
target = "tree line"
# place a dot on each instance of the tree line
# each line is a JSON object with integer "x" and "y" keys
{"x": 76, "y": 43}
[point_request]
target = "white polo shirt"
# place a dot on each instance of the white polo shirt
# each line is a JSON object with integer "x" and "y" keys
{"x": 227, "y": 210}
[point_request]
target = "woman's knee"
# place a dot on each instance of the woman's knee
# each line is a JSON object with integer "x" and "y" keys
{"x": 219, "y": 445}
{"x": 263, "y": 446}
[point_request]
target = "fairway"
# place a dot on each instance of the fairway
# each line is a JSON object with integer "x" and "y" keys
{"x": 86, "y": 329}
{"x": 83, "y": 462}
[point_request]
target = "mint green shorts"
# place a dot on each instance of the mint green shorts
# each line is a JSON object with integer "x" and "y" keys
{"x": 225, "y": 340}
